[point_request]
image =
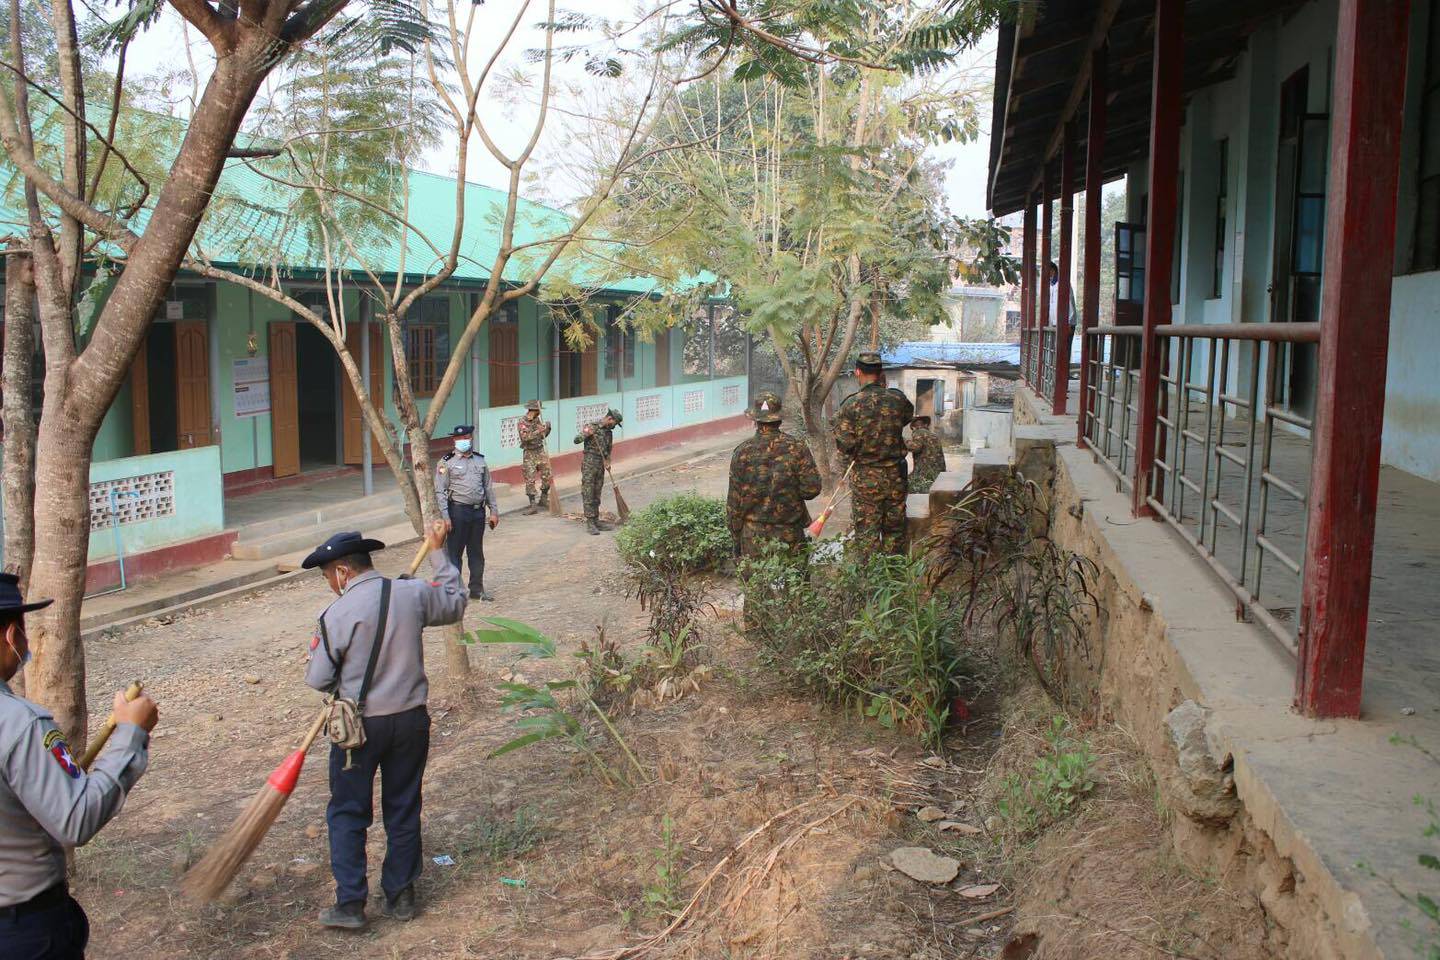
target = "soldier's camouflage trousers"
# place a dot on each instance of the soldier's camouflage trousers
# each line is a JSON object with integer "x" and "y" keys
{"x": 755, "y": 536}
{"x": 877, "y": 509}
{"x": 754, "y": 539}
{"x": 536, "y": 464}
{"x": 922, "y": 480}
{"x": 592, "y": 482}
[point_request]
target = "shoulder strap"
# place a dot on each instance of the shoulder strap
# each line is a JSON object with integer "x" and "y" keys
{"x": 375, "y": 647}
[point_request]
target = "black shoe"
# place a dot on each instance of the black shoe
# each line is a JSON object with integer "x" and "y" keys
{"x": 347, "y": 916}
{"x": 532, "y": 509}
{"x": 480, "y": 594}
{"x": 402, "y": 908}
{"x": 592, "y": 528}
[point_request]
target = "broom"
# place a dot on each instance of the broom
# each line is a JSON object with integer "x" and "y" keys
{"x": 103, "y": 734}
{"x": 212, "y": 874}
{"x": 622, "y": 509}
{"x": 813, "y": 531}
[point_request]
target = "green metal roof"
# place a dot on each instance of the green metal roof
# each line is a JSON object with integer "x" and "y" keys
{"x": 249, "y": 225}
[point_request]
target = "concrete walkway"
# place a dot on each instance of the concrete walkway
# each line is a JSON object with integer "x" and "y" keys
{"x": 219, "y": 582}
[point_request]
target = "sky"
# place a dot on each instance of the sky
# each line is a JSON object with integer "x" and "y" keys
{"x": 164, "y": 50}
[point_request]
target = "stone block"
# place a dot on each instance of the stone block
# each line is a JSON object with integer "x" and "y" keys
{"x": 1202, "y": 788}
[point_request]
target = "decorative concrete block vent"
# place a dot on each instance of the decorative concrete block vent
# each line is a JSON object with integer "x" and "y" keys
{"x": 588, "y": 413}
{"x": 148, "y": 496}
{"x": 730, "y": 395}
{"x": 693, "y": 401}
{"x": 648, "y": 407}
{"x": 509, "y": 432}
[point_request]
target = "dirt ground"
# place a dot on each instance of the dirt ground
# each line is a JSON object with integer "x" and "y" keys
{"x": 764, "y": 831}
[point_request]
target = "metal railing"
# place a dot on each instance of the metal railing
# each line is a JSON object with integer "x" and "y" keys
{"x": 1047, "y": 363}
{"x": 1217, "y": 478}
{"x": 1111, "y": 407}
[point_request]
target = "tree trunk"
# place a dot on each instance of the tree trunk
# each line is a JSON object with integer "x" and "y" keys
{"x": 56, "y": 675}
{"x": 19, "y": 466}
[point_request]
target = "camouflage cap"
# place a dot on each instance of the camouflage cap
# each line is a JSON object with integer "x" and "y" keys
{"x": 533, "y": 405}
{"x": 766, "y": 408}
{"x": 615, "y": 415}
{"x": 869, "y": 361}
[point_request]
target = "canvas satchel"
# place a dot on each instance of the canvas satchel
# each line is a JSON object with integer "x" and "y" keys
{"x": 346, "y": 724}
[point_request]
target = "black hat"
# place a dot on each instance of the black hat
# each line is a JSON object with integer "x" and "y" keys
{"x": 463, "y": 430}
{"x": 10, "y": 599}
{"x": 344, "y": 544}
{"x": 869, "y": 362}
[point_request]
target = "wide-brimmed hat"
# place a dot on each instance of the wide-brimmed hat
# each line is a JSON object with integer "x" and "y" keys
{"x": 11, "y": 600}
{"x": 345, "y": 544}
{"x": 463, "y": 430}
{"x": 533, "y": 405}
{"x": 765, "y": 408}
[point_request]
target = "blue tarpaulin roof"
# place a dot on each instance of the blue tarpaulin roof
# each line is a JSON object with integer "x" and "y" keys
{"x": 925, "y": 351}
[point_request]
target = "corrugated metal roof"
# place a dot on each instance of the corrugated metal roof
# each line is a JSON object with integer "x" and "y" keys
{"x": 249, "y": 225}
{"x": 925, "y": 351}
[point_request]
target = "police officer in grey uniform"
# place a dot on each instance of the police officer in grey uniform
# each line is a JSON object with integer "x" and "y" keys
{"x": 393, "y": 613}
{"x": 47, "y": 803}
{"x": 466, "y": 493}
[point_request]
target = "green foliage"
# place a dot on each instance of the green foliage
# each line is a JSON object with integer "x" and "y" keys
{"x": 543, "y": 715}
{"x": 1427, "y": 904}
{"x": 662, "y": 894}
{"x": 983, "y": 243}
{"x": 686, "y": 532}
{"x": 1058, "y": 780}
{"x": 496, "y": 839}
{"x": 867, "y": 635}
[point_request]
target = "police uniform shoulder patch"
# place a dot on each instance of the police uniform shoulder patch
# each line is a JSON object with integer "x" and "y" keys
{"x": 55, "y": 743}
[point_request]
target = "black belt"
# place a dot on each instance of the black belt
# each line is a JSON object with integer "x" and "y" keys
{"x": 44, "y": 900}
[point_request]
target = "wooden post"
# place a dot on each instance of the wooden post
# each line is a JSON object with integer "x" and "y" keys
{"x": 1370, "y": 57}
{"x": 1165, "y": 116}
{"x": 1027, "y": 285}
{"x": 1042, "y": 283}
{"x": 1094, "y": 184}
{"x": 1063, "y": 330}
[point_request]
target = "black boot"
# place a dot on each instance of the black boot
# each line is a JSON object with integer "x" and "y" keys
{"x": 344, "y": 916}
{"x": 544, "y": 498}
{"x": 592, "y": 527}
{"x": 481, "y": 594}
{"x": 403, "y": 906}
{"x": 532, "y": 509}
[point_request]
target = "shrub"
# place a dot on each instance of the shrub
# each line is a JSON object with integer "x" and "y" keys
{"x": 864, "y": 634}
{"x": 1057, "y": 781}
{"x": 685, "y": 533}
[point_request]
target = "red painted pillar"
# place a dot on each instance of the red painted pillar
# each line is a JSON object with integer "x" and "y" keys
{"x": 1094, "y": 184}
{"x": 1370, "y": 56}
{"x": 1027, "y": 285}
{"x": 1165, "y": 116}
{"x": 1042, "y": 282}
{"x": 1063, "y": 330}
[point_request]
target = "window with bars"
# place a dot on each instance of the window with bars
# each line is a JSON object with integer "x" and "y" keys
{"x": 1222, "y": 191}
{"x": 427, "y": 343}
{"x": 1427, "y": 221}
{"x": 619, "y": 346}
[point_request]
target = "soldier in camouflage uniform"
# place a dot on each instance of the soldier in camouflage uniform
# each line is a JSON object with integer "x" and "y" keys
{"x": 869, "y": 433}
{"x": 929, "y": 456}
{"x": 598, "y": 438}
{"x": 536, "y": 462}
{"x": 771, "y": 476}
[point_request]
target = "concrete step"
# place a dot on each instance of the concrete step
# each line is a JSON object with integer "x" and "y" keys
{"x": 300, "y": 536}
{"x": 318, "y": 517}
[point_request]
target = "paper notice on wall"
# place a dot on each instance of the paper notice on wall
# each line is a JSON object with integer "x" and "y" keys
{"x": 252, "y": 386}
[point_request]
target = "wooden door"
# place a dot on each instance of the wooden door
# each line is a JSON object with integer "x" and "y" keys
{"x": 140, "y": 400}
{"x": 662, "y": 358}
{"x": 504, "y": 361}
{"x": 284, "y": 402}
{"x": 355, "y": 427}
{"x": 192, "y": 385}
{"x": 589, "y": 378}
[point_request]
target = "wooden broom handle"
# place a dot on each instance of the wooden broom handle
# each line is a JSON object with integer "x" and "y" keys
{"x": 103, "y": 734}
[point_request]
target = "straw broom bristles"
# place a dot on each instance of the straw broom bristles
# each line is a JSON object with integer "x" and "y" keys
{"x": 622, "y": 509}
{"x": 208, "y": 879}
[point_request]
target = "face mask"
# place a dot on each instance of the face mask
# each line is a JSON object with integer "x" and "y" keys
{"x": 24, "y": 657}
{"x": 462, "y": 446}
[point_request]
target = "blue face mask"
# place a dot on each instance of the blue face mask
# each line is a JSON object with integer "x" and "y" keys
{"x": 462, "y": 446}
